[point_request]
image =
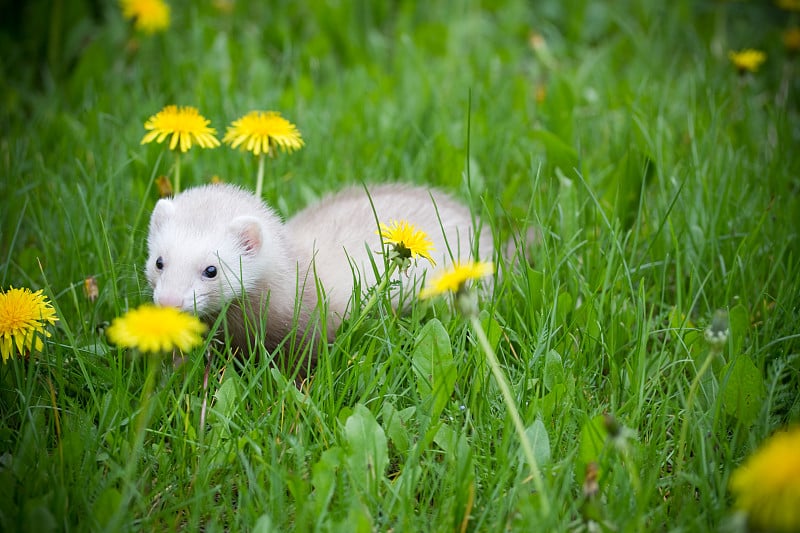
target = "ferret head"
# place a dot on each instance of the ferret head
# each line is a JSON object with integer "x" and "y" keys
{"x": 210, "y": 245}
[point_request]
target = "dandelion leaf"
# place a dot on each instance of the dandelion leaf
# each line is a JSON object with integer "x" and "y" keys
{"x": 592, "y": 440}
{"x": 535, "y": 289}
{"x": 264, "y": 525}
{"x": 743, "y": 390}
{"x": 395, "y": 423}
{"x": 367, "y": 452}
{"x": 227, "y": 397}
{"x": 566, "y": 303}
{"x": 540, "y": 441}
{"x": 106, "y": 505}
{"x": 434, "y": 367}
{"x": 553, "y": 370}
{"x": 323, "y": 478}
{"x": 739, "y": 324}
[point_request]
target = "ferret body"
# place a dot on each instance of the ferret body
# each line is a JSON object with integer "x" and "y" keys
{"x": 216, "y": 245}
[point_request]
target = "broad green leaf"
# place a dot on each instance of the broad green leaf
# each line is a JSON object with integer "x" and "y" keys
{"x": 553, "y": 400}
{"x": 323, "y": 477}
{"x": 359, "y": 519}
{"x": 535, "y": 288}
{"x": 592, "y": 440}
{"x": 106, "y": 505}
{"x": 743, "y": 390}
{"x": 540, "y": 442}
{"x": 367, "y": 452}
{"x": 395, "y": 423}
{"x": 434, "y": 368}
{"x": 228, "y": 396}
{"x": 739, "y": 323}
{"x": 553, "y": 370}
{"x": 264, "y": 525}
{"x": 456, "y": 450}
{"x": 565, "y": 305}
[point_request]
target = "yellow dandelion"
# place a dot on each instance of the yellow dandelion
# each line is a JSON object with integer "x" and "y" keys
{"x": 149, "y": 16}
{"x": 185, "y": 124}
{"x": 789, "y": 5}
{"x": 454, "y": 279}
{"x": 747, "y": 60}
{"x": 156, "y": 329}
{"x": 407, "y": 242}
{"x": 791, "y": 39}
{"x": 23, "y": 316}
{"x": 767, "y": 485}
{"x": 260, "y": 132}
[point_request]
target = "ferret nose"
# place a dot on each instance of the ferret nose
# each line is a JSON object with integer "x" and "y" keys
{"x": 169, "y": 300}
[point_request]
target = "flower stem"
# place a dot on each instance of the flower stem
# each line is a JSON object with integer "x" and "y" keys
{"x": 260, "y": 175}
{"x": 505, "y": 390}
{"x": 376, "y": 292}
{"x": 177, "y": 187}
{"x": 130, "y": 491}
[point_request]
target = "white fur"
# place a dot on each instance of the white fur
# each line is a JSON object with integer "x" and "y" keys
{"x": 274, "y": 264}
{"x": 220, "y": 226}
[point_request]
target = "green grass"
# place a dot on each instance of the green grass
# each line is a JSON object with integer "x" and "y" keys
{"x": 662, "y": 186}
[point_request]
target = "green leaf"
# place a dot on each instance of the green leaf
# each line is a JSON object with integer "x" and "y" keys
{"x": 434, "y": 367}
{"x": 38, "y": 517}
{"x": 559, "y": 153}
{"x": 540, "y": 441}
{"x": 535, "y": 289}
{"x": 396, "y": 428}
{"x": 565, "y": 305}
{"x": 553, "y": 401}
{"x": 367, "y": 452}
{"x": 457, "y": 452}
{"x": 227, "y": 398}
{"x": 323, "y": 477}
{"x": 106, "y": 505}
{"x": 743, "y": 390}
{"x": 264, "y": 525}
{"x": 592, "y": 441}
{"x": 739, "y": 324}
{"x": 493, "y": 329}
{"x": 553, "y": 370}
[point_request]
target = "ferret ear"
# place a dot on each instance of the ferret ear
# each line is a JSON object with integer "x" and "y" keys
{"x": 247, "y": 231}
{"x": 161, "y": 212}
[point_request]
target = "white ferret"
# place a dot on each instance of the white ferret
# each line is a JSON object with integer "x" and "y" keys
{"x": 220, "y": 247}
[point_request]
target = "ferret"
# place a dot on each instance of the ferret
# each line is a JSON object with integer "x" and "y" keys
{"x": 219, "y": 248}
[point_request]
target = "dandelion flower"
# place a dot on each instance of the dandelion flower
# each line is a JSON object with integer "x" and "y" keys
{"x": 156, "y": 329}
{"x": 23, "y": 315}
{"x": 791, "y": 39}
{"x": 407, "y": 242}
{"x": 789, "y": 5}
{"x": 185, "y": 124}
{"x": 149, "y": 16}
{"x": 454, "y": 279}
{"x": 767, "y": 485}
{"x": 259, "y": 132}
{"x": 747, "y": 60}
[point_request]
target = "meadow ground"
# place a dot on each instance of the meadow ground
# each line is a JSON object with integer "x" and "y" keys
{"x": 650, "y": 341}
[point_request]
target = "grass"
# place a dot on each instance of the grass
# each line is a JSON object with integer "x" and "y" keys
{"x": 662, "y": 187}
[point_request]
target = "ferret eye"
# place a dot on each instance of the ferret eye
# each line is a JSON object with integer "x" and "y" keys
{"x": 159, "y": 264}
{"x": 210, "y": 272}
